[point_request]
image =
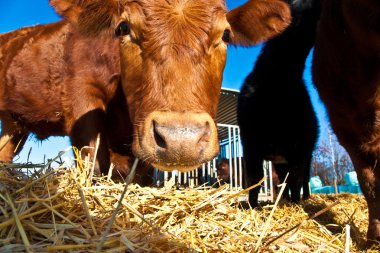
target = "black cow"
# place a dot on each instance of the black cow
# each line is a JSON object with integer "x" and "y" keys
{"x": 276, "y": 118}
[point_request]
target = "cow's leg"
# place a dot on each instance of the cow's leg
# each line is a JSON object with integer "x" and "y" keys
{"x": 299, "y": 175}
{"x": 368, "y": 171}
{"x": 122, "y": 165}
{"x": 295, "y": 178}
{"x": 85, "y": 117}
{"x": 84, "y": 135}
{"x": 12, "y": 138}
{"x": 144, "y": 174}
{"x": 253, "y": 174}
{"x": 276, "y": 181}
{"x": 306, "y": 177}
{"x": 365, "y": 158}
{"x": 282, "y": 170}
{"x": 295, "y": 185}
{"x": 120, "y": 137}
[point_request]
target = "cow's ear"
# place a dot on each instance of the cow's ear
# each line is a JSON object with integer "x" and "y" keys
{"x": 258, "y": 20}
{"x": 90, "y": 16}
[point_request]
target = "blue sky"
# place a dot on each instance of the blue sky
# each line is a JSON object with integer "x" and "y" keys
{"x": 19, "y": 13}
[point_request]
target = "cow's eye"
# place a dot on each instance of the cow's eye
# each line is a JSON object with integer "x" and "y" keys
{"x": 123, "y": 29}
{"x": 226, "y": 36}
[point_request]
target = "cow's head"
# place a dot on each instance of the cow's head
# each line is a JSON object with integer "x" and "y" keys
{"x": 173, "y": 53}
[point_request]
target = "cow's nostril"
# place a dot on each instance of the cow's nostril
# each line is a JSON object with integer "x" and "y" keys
{"x": 205, "y": 137}
{"x": 158, "y": 137}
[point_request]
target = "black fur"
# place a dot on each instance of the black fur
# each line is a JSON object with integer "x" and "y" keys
{"x": 275, "y": 114}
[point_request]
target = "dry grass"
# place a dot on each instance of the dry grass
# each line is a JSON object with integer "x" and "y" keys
{"x": 62, "y": 210}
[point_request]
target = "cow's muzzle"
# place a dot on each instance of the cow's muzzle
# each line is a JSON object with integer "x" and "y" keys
{"x": 178, "y": 140}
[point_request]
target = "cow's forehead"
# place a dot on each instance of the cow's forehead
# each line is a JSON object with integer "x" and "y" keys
{"x": 174, "y": 3}
{"x": 175, "y": 12}
{"x": 178, "y": 4}
{"x": 182, "y": 25}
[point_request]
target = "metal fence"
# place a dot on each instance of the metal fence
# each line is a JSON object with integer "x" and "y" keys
{"x": 267, "y": 190}
{"x": 231, "y": 151}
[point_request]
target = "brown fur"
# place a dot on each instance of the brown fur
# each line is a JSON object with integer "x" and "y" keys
{"x": 163, "y": 79}
{"x": 347, "y": 74}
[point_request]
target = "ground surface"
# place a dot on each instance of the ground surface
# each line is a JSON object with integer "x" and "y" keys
{"x": 61, "y": 210}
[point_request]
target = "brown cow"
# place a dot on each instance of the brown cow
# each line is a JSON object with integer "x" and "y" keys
{"x": 144, "y": 75}
{"x": 346, "y": 72}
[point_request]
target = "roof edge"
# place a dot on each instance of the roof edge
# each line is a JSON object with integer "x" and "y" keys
{"x": 230, "y": 90}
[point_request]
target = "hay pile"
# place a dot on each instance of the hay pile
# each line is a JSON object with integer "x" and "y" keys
{"x": 61, "y": 210}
